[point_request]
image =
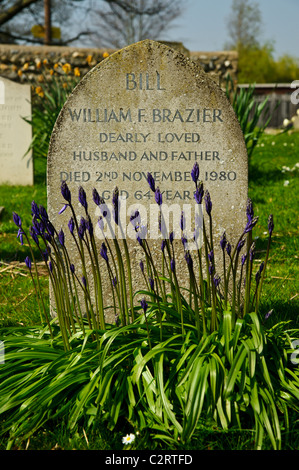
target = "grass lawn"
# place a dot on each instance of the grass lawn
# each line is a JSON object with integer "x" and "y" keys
{"x": 273, "y": 188}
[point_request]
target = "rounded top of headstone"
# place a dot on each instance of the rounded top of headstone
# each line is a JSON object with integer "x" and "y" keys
{"x": 148, "y": 108}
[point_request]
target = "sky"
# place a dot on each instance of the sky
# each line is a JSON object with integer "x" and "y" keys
{"x": 203, "y": 27}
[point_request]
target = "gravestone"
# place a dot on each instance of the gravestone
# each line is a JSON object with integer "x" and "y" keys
{"x": 148, "y": 108}
{"x": 15, "y": 134}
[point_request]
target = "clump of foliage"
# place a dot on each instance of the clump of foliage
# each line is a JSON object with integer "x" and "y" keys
{"x": 175, "y": 359}
{"x": 249, "y": 113}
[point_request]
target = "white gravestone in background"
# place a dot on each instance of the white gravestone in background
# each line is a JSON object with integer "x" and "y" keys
{"x": 15, "y": 134}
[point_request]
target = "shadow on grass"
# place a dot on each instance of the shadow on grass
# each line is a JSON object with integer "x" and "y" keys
{"x": 264, "y": 173}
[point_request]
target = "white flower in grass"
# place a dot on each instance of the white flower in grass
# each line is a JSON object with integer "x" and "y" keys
{"x": 128, "y": 439}
{"x": 286, "y": 122}
{"x": 286, "y": 183}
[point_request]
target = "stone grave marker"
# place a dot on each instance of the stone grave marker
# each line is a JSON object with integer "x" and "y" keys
{"x": 148, "y": 108}
{"x": 15, "y": 134}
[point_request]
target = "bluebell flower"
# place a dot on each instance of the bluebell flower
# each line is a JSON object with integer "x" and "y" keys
{"x": 151, "y": 182}
{"x": 115, "y": 203}
{"x": 216, "y": 281}
{"x": 158, "y": 197}
{"x": 65, "y": 192}
{"x": 144, "y": 305}
{"x": 61, "y": 237}
{"x": 71, "y": 225}
{"x": 34, "y": 236}
{"x": 17, "y": 219}
{"x": 141, "y": 266}
{"x": 103, "y": 252}
{"x": 28, "y": 262}
{"x": 82, "y": 198}
{"x": 198, "y": 195}
{"x": 151, "y": 283}
{"x": 195, "y": 172}
{"x": 34, "y": 209}
{"x": 172, "y": 265}
{"x": 228, "y": 248}
{"x": 208, "y": 203}
{"x": 249, "y": 210}
{"x": 223, "y": 241}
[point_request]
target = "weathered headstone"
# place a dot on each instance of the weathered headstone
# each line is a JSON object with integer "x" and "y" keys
{"x": 148, "y": 108}
{"x": 15, "y": 134}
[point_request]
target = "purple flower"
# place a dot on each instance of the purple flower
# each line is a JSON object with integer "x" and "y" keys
{"x": 103, "y": 252}
{"x": 188, "y": 259}
{"x": 50, "y": 267}
{"x": 17, "y": 219}
{"x": 144, "y": 305}
{"x": 216, "y": 281}
{"x": 114, "y": 281}
{"x": 151, "y": 182}
{"x": 249, "y": 210}
{"x": 28, "y": 262}
{"x": 208, "y": 203}
{"x": 34, "y": 236}
{"x": 141, "y": 266}
{"x": 240, "y": 245}
{"x": 184, "y": 241}
{"x": 84, "y": 281}
{"x": 158, "y": 197}
{"x": 195, "y": 172}
{"x": 228, "y": 248}
{"x": 243, "y": 259}
{"x": 63, "y": 209}
{"x": 45, "y": 255}
{"x": 82, "y": 198}
{"x": 96, "y": 197}
{"x": 163, "y": 244}
{"x": 82, "y": 228}
{"x": 270, "y": 224}
{"x": 72, "y": 268}
{"x": 50, "y": 228}
{"x": 135, "y": 219}
{"x": 34, "y": 209}
{"x": 43, "y": 214}
{"x": 250, "y": 224}
{"x": 151, "y": 283}
{"x": 71, "y": 225}
{"x": 223, "y": 241}
{"x": 115, "y": 203}
{"x": 198, "y": 195}
{"x": 171, "y": 236}
{"x": 211, "y": 269}
{"x": 183, "y": 221}
{"x": 66, "y": 194}
{"x": 20, "y": 236}
{"x": 89, "y": 226}
{"x": 172, "y": 265}
{"x": 268, "y": 314}
{"x": 211, "y": 256}
{"x": 61, "y": 237}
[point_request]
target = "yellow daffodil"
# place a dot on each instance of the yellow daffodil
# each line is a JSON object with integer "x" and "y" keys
{"x": 66, "y": 68}
{"x": 105, "y": 55}
{"x": 77, "y": 72}
{"x": 39, "y": 91}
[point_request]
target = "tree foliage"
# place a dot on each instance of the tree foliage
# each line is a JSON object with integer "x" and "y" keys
{"x": 125, "y": 22}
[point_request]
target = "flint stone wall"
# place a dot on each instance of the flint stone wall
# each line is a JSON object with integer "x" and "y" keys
{"x": 23, "y": 63}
